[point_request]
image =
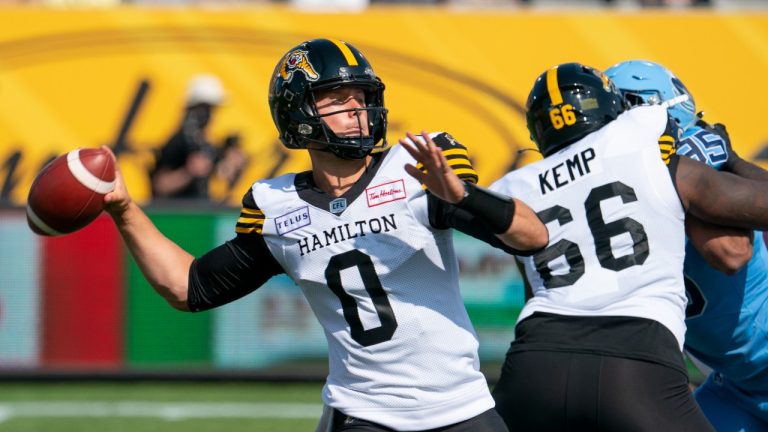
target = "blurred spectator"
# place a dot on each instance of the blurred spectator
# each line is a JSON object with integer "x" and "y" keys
{"x": 188, "y": 159}
{"x": 230, "y": 162}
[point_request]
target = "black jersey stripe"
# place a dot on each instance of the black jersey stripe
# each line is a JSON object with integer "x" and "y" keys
{"x": 248, "y": 228}
{"x": 250, "y": 211}
{"x": 469, "y": 176}
{"x": 456, "y": 153}
{"x": 240, "y": 230}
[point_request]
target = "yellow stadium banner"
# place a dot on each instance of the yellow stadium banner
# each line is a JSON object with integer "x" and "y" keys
{"x": 85, "y": 78}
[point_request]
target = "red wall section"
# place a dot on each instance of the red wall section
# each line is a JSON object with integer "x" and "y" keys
{"x": 83, "y": 298}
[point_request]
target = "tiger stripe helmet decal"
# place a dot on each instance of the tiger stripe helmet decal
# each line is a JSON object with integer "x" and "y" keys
{"x": 297, "y": 61}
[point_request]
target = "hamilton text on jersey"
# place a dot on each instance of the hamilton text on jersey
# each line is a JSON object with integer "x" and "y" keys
{"x": 346, "y": 232}
{"x": 566, "y": 172}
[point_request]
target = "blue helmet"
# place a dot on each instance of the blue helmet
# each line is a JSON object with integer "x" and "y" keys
{"x": 644, "y": 82}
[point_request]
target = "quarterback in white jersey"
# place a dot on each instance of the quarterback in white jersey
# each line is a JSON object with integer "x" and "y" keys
{"x": 602, "y": 336}
{"x": 384, "y": 284}
{"x": 365, "y": 235}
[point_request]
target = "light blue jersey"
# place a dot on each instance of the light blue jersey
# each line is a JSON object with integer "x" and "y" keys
{"x": 727, "y": 319}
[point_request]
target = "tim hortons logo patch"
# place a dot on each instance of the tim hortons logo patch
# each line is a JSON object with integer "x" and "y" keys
{"x": 384, "y": 193}
{"x": 292, "y": 221}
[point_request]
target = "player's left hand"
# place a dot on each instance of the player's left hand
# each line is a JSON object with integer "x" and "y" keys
{"x": 435, "y": 172}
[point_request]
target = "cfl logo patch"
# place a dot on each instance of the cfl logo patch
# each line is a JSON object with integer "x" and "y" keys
{"x": 338, "y": 205}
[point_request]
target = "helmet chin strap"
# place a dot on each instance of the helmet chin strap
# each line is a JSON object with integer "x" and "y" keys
{"x": 349, "y": 153}
{"x": 335, "y": 144}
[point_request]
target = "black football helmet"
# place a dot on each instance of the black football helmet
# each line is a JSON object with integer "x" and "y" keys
{"x": 324, "y": 64}
{"x": 568, "y": 102}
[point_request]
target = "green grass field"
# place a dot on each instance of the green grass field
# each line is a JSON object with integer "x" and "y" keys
{"x": 72, "y": 406}
{"x": 166, "y": 407}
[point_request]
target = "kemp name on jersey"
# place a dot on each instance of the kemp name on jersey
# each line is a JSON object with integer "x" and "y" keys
{"x": 567, "y": 171}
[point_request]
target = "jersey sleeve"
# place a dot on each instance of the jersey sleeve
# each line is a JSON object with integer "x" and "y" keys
{"x": 251, "y": 220}
{"x": 668, "y": 140}
{"x": 236, "y": 268}
{"x": 457, "y": 156}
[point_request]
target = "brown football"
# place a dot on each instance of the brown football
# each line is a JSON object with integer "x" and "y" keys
{"x": 68, "y": 193}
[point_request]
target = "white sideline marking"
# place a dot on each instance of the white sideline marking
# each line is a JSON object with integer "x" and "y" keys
{"x": 166, "y": 410}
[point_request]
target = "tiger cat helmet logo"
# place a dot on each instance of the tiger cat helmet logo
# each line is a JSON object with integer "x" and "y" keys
{"x": 298, "y": 61}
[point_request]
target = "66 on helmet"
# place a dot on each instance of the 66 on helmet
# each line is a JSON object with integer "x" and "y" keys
{"x": 568, "y": 102}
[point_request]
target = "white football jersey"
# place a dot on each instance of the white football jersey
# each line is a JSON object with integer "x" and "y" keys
{"x": 616, "y": 225}
{"x": 384, "y": 285}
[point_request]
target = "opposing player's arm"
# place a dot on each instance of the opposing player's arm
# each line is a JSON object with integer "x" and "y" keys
{"x": 747, "y": 169}
{"x": 720, "y": 197}
{"x": 726, "y": 249}
{"x": 236, "y": 268}
{"x": 510, "y": 220}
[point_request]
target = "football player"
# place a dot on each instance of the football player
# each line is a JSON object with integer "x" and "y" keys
{"x": 369, "y": 247}
{"x": 726, "y": 317}
{"x": 599, "y": 345}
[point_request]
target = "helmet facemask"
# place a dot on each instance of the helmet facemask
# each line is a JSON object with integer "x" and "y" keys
{"x": 318, "y": 135}
{"x": 641, "y": 97}
{"x": 644, "y": 82}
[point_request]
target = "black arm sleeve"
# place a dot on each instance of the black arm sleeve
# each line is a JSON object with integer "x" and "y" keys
{"x": 443, "y": 215}
{"x": 230, "y": 271}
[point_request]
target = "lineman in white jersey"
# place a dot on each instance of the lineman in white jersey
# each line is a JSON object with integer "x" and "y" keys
{"x": 366, "y": 243}
{"x": 599, "y": 346}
